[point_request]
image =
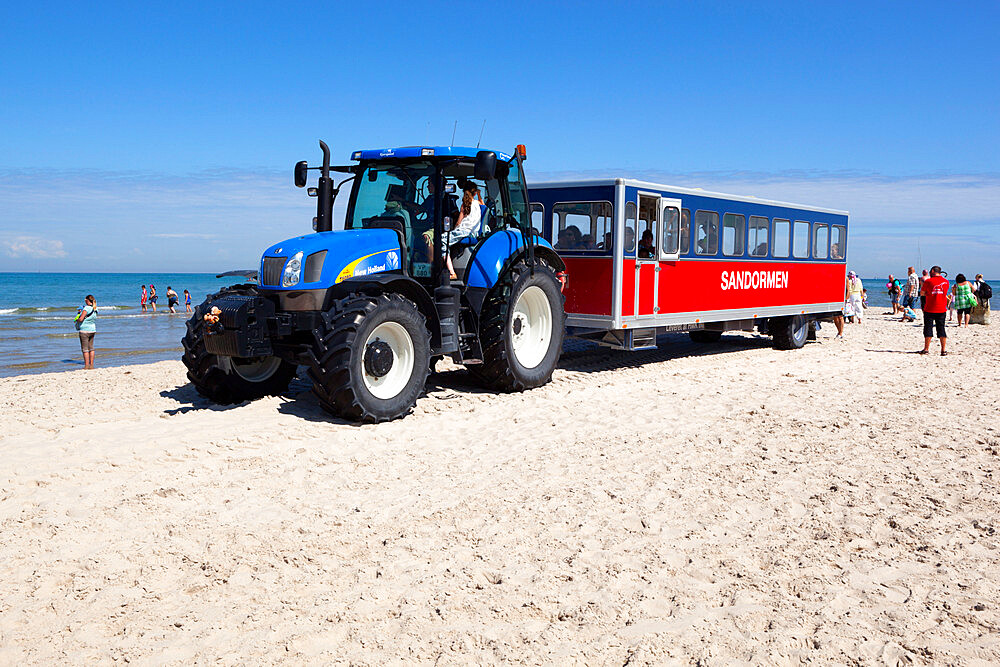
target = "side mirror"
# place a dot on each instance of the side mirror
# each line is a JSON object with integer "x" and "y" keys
{"x": 486, "y": 166}
{"x": 301, "y": 175}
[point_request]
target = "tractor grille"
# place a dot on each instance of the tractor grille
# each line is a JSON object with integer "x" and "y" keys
{"x": 272, "y": 271}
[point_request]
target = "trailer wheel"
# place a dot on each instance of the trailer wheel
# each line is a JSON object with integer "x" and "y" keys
{"x": 521, "y": 330}
{"x": 705, "y": 336}
{"x": 788, "y": 333}
{"x": 371, "y": 358}
{"x": 228, "y": 380}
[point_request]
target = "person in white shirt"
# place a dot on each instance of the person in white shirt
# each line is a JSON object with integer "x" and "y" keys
{"x": 470, "y": 215}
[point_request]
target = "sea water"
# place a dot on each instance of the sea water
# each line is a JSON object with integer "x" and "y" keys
{"x": 37, "y": 309}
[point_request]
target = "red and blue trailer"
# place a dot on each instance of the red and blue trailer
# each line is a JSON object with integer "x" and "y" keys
{"x": 644, "y": 258}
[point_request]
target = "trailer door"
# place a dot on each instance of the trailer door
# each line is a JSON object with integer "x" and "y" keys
{"x": 647, "y": 265}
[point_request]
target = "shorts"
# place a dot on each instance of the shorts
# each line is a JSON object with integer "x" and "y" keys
{"x": 152, "y": 299}
{"x": 172, "y": 303}
{"x": 908, "y": 301}
{"x": 934, "y": 321}
{"x": 87, "y": 341}
{"x": 964, "y": 311}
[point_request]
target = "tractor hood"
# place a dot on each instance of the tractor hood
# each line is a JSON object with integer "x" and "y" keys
{"x": 330, "y": 257}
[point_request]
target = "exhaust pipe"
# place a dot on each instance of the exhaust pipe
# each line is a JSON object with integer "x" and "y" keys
{"x": 324, "y": 194}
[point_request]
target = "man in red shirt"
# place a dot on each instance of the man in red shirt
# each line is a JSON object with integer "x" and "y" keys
{"x": 935, "y": 291}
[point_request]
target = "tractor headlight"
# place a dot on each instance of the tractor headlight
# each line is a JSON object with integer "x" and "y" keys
{"x": 293, "y": 269}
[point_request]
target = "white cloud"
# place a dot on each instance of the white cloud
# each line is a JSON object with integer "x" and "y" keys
{"x": 34, "y": 247}
{"x": 184, "y": 235}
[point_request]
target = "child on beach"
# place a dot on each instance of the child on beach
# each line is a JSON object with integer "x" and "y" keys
{"x": 171, "y": 298}
{"x": 86, "y": 324}
{"x": 187, "y": 301}
{"x": 142, "y": 301}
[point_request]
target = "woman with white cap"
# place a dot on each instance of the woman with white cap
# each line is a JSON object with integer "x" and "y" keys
{"x": 854, "y": 289}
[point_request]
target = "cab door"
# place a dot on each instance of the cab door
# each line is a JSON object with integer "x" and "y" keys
{"x": 647, "y": 264}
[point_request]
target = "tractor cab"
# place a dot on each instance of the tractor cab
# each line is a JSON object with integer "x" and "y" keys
{"x": 419, "y": 192}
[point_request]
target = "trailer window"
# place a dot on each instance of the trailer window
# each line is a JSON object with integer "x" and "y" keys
{"x": 821, "y": 241}
{"x": 800, "y": 239}
{"x": 685, "y": 230}
{"x": 838, "y": 242}
{"x": 630, "y": 215}
{"x": 706, "y": 232}
{"x": 782, "y": 237}
{"x": 757, "y": 240}
{"x": 671, "y": 228}
{"x": 733, "y": 226}
{"x": 537, "y": 216}
{"x": 583, "y": 226}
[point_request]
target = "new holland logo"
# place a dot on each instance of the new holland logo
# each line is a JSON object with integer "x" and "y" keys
{"x": 392, "y": 259}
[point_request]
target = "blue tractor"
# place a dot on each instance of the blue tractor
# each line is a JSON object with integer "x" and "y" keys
{"x": 369, "y": 309}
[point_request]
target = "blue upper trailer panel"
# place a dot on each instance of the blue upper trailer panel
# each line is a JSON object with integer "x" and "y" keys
{"x": 421, "y": 151}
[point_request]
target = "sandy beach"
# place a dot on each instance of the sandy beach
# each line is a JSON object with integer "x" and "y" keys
{"x": 710, "y": 504}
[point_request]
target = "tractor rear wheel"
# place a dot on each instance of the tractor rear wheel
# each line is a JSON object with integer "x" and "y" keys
{"x": 228, "y": 380}
{"x": 521, "y": 330}
{"x": 370, "y": 358}
{"x": 788, "y": 333}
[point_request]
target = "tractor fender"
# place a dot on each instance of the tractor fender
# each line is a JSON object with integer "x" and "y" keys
{"x": 395, "y": 283}
{"x": 501, "y": 250}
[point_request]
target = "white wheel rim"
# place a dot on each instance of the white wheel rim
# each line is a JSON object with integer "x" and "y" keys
{"x": 531, "y": 327}
{"x": 257, "y": 369}
{"x": 398, "y": 339}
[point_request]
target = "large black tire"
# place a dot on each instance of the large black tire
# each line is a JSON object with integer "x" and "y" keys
{"x": 705, "y": 336}
{"x": 226, "y": 380}
{"x": 788, "y": 333}
{"x": 502, "y": 369}
{"x": 344, "y": 360}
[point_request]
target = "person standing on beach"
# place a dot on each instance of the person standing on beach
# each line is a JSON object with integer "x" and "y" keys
{"x": 983, "y": 295}
{"x": 86, "y": 324}
{"x": 142, "y": 301}
{"x": 965, "y": 299}
{"x": 171, "y": 299}
{"x": 187, "y": 301}
{"x": 912, "y": 288}
{"x": 920, "y": 291}
{"x": 855, "y": 307}
{"x": 892, "y": 289}
{"x": 152, "y": 296}
{"x": 935, "y": 305}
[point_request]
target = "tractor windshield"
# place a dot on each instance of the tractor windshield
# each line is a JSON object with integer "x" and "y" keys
{"x": 392, "y": 190}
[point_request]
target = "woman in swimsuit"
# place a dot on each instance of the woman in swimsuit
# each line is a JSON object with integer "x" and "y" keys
{"x": 152, "y": 296}
{"x": 187, "y": 301}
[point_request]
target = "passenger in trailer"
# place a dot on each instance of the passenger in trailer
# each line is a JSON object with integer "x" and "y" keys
{"x": 646, "y": 245}
{"x": 629, "y": 240}
{"x": 569, "y": 239}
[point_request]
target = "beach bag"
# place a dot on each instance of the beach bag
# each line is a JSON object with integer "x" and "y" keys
{"x": 980, "y": 315}
{"x": 985, "y": 292}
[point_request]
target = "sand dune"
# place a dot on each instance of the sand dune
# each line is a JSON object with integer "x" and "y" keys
{"x": 714, "y": 503}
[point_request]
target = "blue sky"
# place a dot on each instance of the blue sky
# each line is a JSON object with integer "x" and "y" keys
{"x": 161, "y": 137}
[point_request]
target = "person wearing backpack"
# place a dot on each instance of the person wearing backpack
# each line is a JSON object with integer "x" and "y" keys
{"x": 983, "y": 290}
{"x": 86, "y": 324}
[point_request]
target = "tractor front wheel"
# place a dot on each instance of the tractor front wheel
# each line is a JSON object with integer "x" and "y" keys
{"x": 370, "y": 358}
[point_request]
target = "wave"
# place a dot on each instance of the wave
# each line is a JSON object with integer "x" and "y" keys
{"x": 56, "y": 309}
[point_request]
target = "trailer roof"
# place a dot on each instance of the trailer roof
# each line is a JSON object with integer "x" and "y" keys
{"x": 421, "y": 151}
{"x": 631, "y": 182}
